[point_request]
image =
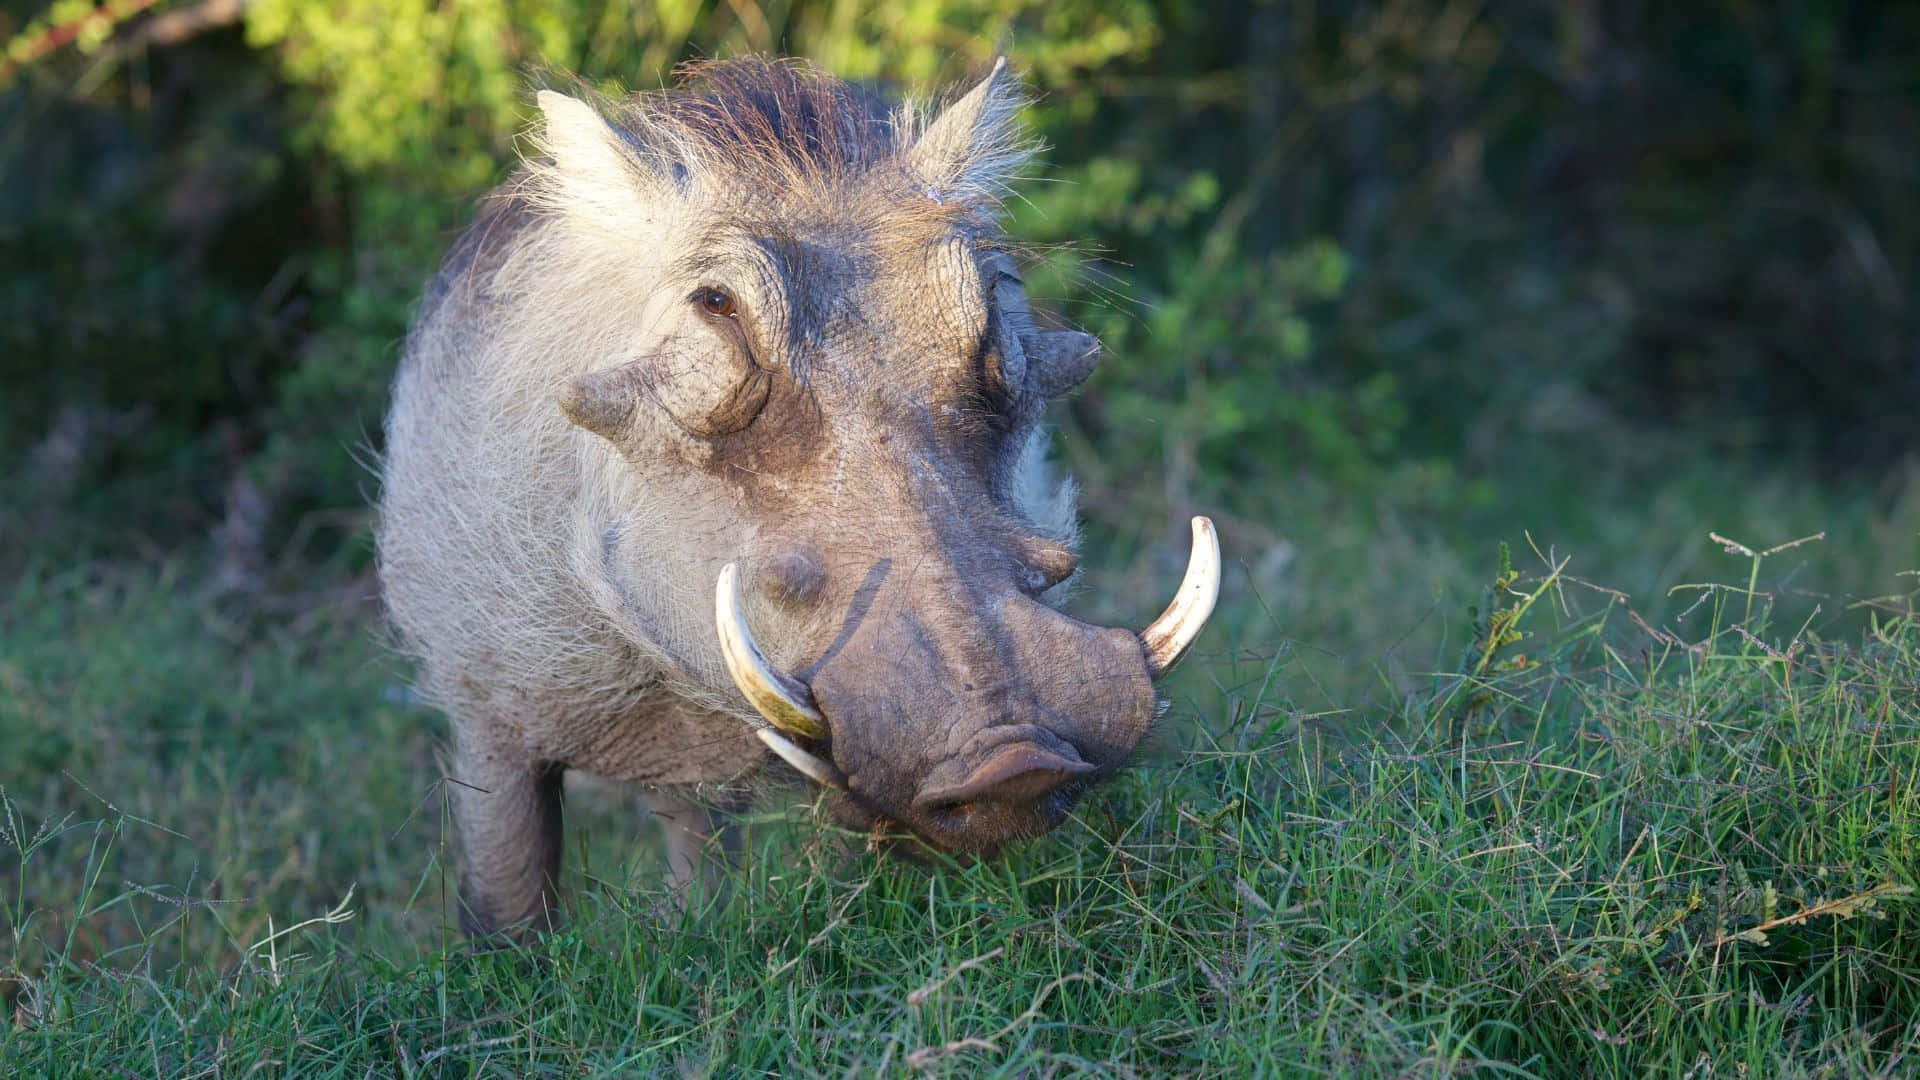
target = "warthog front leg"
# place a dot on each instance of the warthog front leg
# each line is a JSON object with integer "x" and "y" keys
{"x": 508, "y": 812}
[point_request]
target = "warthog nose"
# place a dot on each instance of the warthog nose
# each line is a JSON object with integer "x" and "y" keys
{"x": 1014, "y": 774}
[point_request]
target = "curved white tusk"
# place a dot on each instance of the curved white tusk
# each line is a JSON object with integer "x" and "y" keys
{"x": 784, "y": 700}
{"x": 1167, "y": 638}
{"x": 813, "y": 768}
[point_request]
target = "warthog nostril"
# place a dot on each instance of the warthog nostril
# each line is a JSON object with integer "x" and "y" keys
{"x": 1014, "y": 774}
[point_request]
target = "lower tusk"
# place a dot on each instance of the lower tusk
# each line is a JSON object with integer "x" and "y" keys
{"x": 1167, "y": 639}
{"x": 813, "y": 768}
{"x": 784, "y": 700}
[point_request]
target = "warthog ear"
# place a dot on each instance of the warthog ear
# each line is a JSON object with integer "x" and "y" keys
{"x": 593, "y": 173}
{"x": 974, "y": 144}
{"x": 1059, "y": 360}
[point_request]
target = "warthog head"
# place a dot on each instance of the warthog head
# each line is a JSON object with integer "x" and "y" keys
{"x": 824, "y": 386}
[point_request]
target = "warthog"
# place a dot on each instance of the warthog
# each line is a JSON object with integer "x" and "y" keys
{"x": 751, "y": 352}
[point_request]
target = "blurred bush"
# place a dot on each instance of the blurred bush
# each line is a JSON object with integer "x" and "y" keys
{"x": 1361, "y": 244}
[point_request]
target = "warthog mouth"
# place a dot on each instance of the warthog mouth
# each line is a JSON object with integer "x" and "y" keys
{"x": 956, "y": 839}
{"x": 1034, "y": 781}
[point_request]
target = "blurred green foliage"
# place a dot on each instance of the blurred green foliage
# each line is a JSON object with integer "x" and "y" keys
{"x": 1364, "y": 243}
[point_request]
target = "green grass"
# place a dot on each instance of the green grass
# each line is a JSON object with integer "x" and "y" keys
{"x": 1607, "y": 842}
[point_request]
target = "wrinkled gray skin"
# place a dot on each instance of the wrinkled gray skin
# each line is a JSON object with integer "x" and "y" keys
{"x": 755, "y": 319}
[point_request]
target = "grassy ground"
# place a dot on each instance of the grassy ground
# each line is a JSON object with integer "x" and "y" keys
{"x": 1568, "y": 832}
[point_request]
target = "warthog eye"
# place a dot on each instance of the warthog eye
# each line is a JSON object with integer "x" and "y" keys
{"x": 715, "y": 302}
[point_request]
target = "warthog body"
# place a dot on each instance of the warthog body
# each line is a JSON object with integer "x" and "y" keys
{"x": 755, "y": 331}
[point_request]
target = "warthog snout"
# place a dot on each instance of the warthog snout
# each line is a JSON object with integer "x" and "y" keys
{"x": 1033, "y": 705}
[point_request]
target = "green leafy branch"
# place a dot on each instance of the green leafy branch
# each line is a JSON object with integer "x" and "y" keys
{"x": 68, "y": 22}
